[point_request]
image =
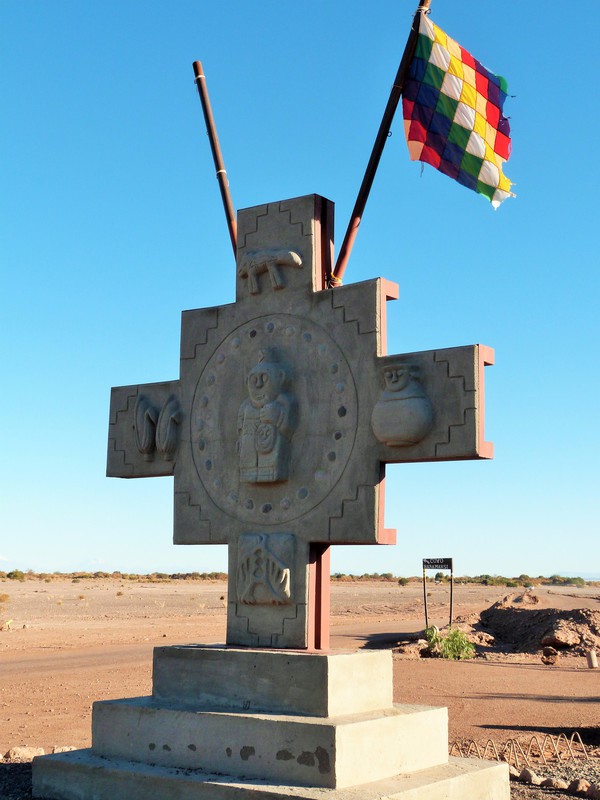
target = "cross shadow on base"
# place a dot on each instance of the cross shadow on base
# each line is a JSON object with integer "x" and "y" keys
{"x": 15, "y": 781}
{"x": 383, "y": 640}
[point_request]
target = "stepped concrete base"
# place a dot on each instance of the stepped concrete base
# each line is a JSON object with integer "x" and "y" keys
{"x": 231, "y": 724}
{"x": 312, "y": 751}
{"x": 80, "y": 775}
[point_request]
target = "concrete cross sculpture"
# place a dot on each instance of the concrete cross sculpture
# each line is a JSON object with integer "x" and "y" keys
{"x": 285, "y": 413}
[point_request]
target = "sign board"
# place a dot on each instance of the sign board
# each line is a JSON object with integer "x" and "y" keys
{"x": 437, "y": 563}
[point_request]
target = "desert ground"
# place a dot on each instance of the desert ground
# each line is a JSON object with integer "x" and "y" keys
{"x": 72, "y": 642}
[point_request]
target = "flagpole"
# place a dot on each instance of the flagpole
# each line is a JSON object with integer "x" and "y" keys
{"x": 200, "y": 81}
{"x": 382, "y": 135}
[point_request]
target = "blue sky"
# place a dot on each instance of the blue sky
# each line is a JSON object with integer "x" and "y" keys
{"x": 111, "y": 225}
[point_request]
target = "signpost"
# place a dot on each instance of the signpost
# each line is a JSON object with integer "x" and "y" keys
{"x": 438, "y": 564}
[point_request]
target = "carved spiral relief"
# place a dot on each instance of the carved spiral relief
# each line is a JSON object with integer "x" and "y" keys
{"x": 157, "y": 431}
{"x": 145, "y": 427}
{"x": 166, "y": 429}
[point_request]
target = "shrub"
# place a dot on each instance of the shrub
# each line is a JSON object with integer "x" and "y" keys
{"x": 4, "y": 598}
{"x": 16, "y": 575}
{"x": 454, "y": 646}
{"x": 433, "y": 637}
{"x": 402, "y": 581}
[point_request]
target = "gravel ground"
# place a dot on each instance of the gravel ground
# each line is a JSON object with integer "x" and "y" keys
{"x": 590, "y": 770}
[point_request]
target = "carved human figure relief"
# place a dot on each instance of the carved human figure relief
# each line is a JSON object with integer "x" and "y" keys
{"x": 262, "y": 578}
{"x": 268, "y": 262}
{"x": 403, "y": 415}
{"x": 266, "y": 422}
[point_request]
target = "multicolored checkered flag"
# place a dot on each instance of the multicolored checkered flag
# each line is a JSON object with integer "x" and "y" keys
{"x": 453, "y": 114}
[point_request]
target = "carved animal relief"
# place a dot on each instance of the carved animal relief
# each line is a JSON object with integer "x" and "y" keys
{"x": 267, "y": 262}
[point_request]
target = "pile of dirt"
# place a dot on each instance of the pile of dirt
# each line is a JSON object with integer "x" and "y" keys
{"x": 516, "y": 624}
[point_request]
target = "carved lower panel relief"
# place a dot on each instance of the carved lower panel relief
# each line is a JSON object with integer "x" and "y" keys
{"x": 264, "y": 571}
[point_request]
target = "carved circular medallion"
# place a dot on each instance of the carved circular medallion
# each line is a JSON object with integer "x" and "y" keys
{"x": 273, "y": 420}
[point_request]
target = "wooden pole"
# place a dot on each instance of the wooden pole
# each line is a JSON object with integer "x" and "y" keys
{"x": 425, "y": 599}
{"x": 382, "y": 135}
{"x": 451, "y": 593}
{"x": 216, "y": 153}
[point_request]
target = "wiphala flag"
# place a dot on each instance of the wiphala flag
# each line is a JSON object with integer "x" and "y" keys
{"x": 453, "y": 114}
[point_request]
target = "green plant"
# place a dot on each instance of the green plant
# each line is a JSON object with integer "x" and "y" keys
{"x": 454, "y": 646}
{"x": 433, "y": 637}
{"x": 16, "y": 575}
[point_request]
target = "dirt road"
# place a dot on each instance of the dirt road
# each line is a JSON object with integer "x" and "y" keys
{"x": 92, "y": 641}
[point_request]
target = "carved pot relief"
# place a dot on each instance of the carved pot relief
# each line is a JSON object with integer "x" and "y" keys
{"x": 403, "y": 415}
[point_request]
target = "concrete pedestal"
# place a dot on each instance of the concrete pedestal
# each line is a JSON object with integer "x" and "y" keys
{"x": 233, "y": 724}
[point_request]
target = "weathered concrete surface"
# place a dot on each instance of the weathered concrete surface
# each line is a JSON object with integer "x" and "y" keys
{"x": 285, "y": 412}
{"x": 318, "y": 684}
{"x": 309, "y": 751}
{"x": 81, "y": 775}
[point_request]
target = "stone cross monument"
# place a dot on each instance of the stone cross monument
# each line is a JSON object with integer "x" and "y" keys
{"x": 285, "y": 413}
{"x": 277, "y": 432}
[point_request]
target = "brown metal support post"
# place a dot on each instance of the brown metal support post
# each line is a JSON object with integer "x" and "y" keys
{"x": 319, "y": 591}
{"x": 216, "y": 153}
{"x": 380, "y": 141}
